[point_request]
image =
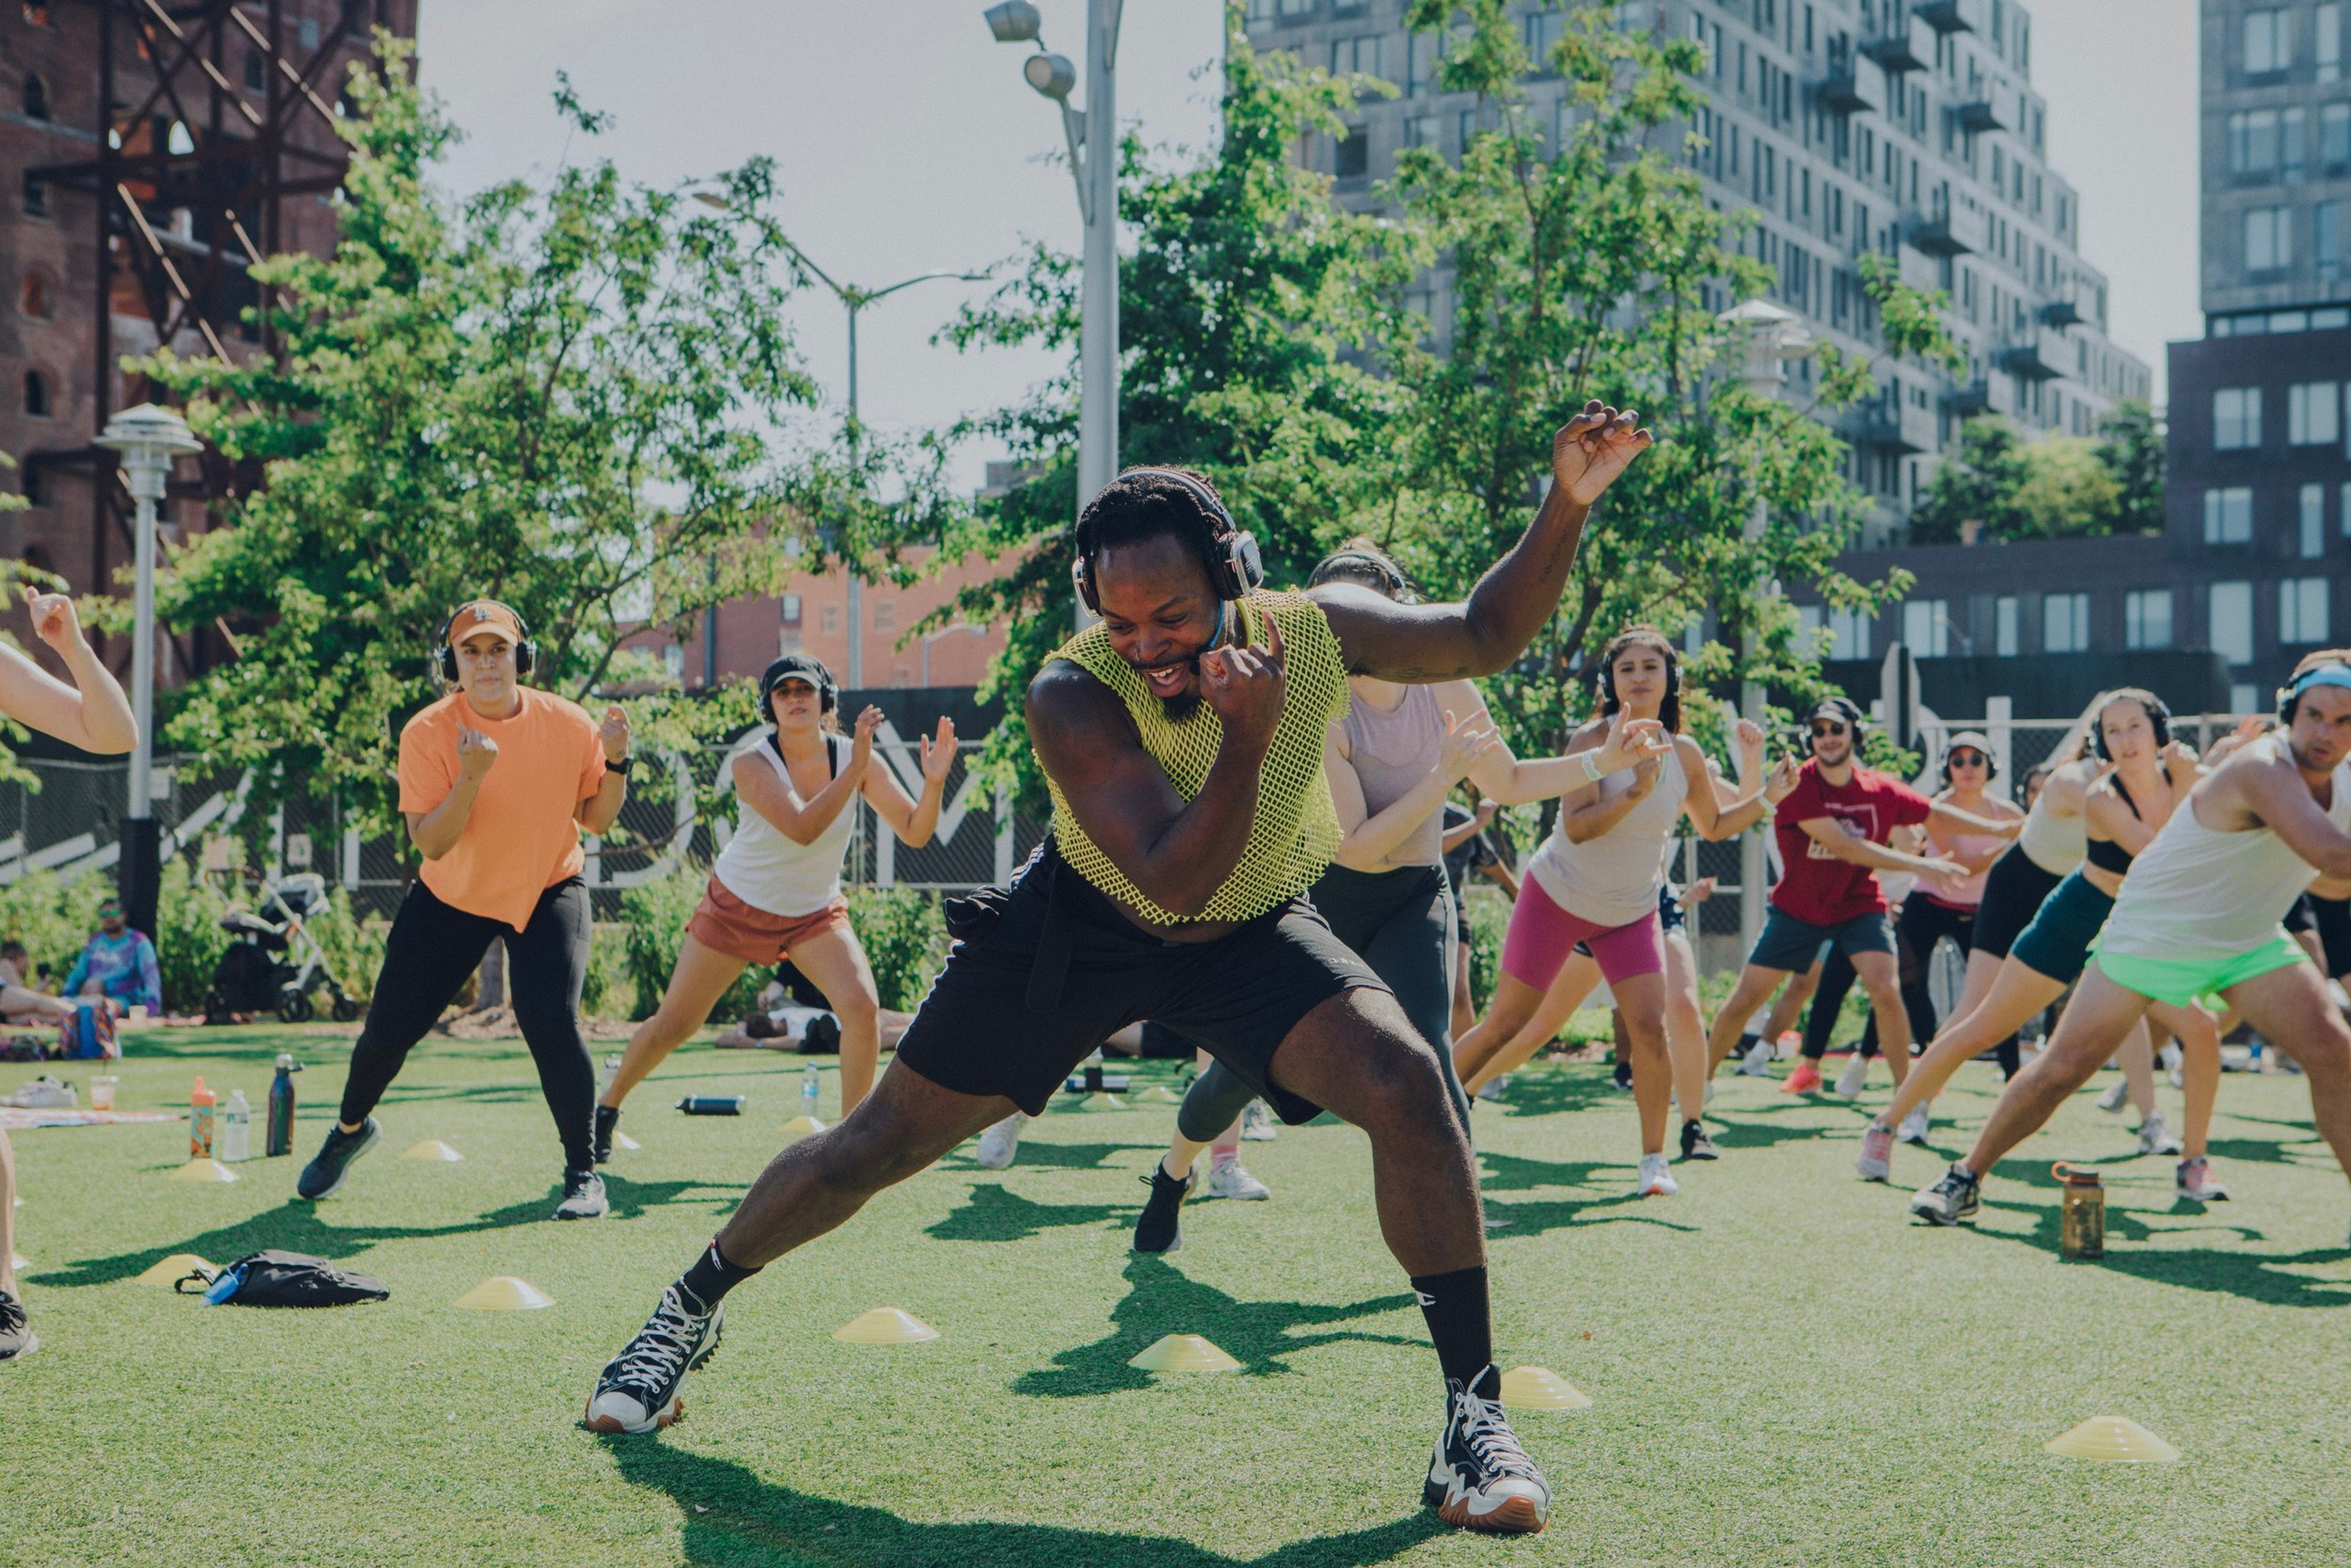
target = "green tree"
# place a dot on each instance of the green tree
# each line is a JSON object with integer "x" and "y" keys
{"x": 2130, "y": 444}
{"x": 2055, "y": 487}
{"x": 1978, "y": 484}
{"x": 563, "y": 396}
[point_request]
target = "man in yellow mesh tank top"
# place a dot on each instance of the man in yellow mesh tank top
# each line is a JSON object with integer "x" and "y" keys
{"x": 1182, "y": 737}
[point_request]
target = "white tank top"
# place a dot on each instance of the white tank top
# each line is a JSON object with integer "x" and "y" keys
{"x": 2203, "y": 896}
{"x": 769, "y": 872}
{"x": 2054, "y": 843}
{"x": 1612, "y": 880}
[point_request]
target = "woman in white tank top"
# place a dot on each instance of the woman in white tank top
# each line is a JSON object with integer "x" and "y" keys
{"x": 775, "y": 888}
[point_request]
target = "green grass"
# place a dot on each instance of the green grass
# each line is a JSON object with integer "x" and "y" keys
{"x": 1782, "y": 1370}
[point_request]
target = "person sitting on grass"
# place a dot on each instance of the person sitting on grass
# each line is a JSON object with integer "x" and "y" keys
{"x": 117, "y": 965}
{"x": 20, "y": 1002}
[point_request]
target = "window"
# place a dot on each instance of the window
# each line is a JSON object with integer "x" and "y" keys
{"x": 2246, "y": 697}
{"x": 37, "y": 98}
{"x": 1352, "y": 155}
{"x": 36, "y": 395}
{"x": 2236, "y": 418}
{"x": 1297, "y": 7}
{"x": 2328, "y": 42}
{"x": 1849, "y": 631}
{"x": 2334, "y": 136}
{"x": 37, "y": 197}
{"x": 791, "y": 608}
{"x": 2230, "y": 609}
{"x": 1926, "y": 628}
{"x": 2228, "y": 515}
{"x": 2310, "y": 414}
{"x": 2268, "y": 238}
{"x": 2343, "y": 510}
{"x": 257, "y": 75}
{"x": 2326, "y": 234}
{"x": 2003, "y": 626}
{"x": 1352, "y": 55}
{"x": 2269, "y": 40}
{"x": 2253, "y": 143}
{"x": 2289, "y": 144}
{"x": 2146, "y": 619}
{"x": 2311, "y": 515}
{"x": 2065, "y": 622}
{"x": 2302, "y": 611}
{"x": 886, "y": 617}
{"x": 1420, "y": 130}
{"x": 828, "y": 620}
{"x": 37, "y": 296}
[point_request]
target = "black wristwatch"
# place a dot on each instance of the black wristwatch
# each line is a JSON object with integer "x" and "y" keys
{"x": 622, "y": 767}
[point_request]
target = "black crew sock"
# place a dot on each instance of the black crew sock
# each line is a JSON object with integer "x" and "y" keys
{"x": 1748, "y": 1042}
{"x": 1459, "y": 1321}
{"x": 707, "y": 1283}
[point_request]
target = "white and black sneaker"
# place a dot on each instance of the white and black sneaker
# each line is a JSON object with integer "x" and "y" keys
{"x": 1257, "y": 1123}
{"x": 1695, "y": 1144}
{"x": 608, "y": 1119}
{"x": 1950, "y": 1200}
{"x": 1479, "y": 1479}
{"x": 17, "y": 1336}
{"x": 323, "y": 1176}
{"x": 637, "y": 1392}
{"x": 583, "y": 1196}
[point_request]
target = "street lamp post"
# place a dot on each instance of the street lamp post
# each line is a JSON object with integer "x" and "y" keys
{"x": 943, "y": 631}
{"x": 1771, "y": 338}
{"x": 146, "y": 439}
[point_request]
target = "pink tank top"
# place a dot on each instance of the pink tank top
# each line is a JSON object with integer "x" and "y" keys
{"x": 1392, "y": 752}
{"x": 1959, "y": 892}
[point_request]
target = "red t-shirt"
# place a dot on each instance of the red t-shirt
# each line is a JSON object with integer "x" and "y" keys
{"x": 1815, "y": 887}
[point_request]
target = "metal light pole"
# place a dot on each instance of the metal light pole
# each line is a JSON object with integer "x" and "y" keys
{"x": 1092, "y": 136}
{"x": 146, "y": 439}
{"x": 1772, "y": 337}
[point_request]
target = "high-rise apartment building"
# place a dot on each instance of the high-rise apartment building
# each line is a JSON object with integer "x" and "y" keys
{"x": 1909, "y": 128}
{"x": 2277, "y": 166}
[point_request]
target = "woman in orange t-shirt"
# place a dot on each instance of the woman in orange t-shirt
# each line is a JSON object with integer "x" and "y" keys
{"x": 496, "y": 781}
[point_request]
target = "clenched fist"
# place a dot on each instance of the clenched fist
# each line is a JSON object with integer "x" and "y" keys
{"x": 477, "y": 753}
{"x": 1246, "y": 686}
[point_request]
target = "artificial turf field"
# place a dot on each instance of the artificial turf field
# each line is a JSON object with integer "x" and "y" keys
{"x": 1781, "y": 1369}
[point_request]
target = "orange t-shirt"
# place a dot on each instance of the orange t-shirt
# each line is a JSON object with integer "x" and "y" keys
{"x": 522, "y": 837}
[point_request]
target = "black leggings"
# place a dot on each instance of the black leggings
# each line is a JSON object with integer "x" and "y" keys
{"x": 432, "y": 948}
{"x": 1923, "y": 924}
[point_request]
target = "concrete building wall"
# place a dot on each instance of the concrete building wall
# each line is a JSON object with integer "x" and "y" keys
{"x": 2276, "y": 162}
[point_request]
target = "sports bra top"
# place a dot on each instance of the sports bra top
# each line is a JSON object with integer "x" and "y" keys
{"x": 2108, "y": 854}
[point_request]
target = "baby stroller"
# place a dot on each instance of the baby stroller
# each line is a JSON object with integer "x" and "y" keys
{"x": 274, "y": 963}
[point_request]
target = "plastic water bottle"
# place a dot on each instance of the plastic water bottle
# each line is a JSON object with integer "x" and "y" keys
{"x": 611, "y": 1070}
{"x": 808, "y": 1091}
{"x": 278, "y": 1133}
{"x": 201, "y": 1103}
{"x": 236, "y": 1129}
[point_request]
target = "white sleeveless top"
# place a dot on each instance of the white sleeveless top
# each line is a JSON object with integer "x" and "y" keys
{"x": 2054, "y": 843}
{"x": 2200, "y": 896}
{"x": 769, "y": 872}
{"x": 1614, "y": 879}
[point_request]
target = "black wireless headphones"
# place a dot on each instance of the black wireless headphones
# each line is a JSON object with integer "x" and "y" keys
{"x": 1230, "y": 551}
{"x": 2157, "y": 713}
{"x": 808, "y": 668}
{"x": 1341, "y": 565}
{"x": 444, "y": 657}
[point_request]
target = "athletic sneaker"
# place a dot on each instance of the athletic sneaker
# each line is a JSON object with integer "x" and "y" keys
{"x": 637, "y": 1391}
{"x": 1756, "y": 1063}
{"x": 1875, "y": 1161}
{"x": 1914, "y": 1126}
{"x": 2172, "y": 1059}
{"x": 1491, "y": 1090}
{"x": 1695, "y": 1144}
{"x": 1000, "y": 1143}
{"x": 583, "y": 1196}
{"x": 2112, "y": 1099}
{"x": 1950, "y": 1200}
{"x": 1804, "y": 1078}
{"x": 17, "y": 1336}
{"x": 1856, "y": 1074}
{"x": 323, "y": 1176}
{"x": 1480, "y": 1477}
{"x": 1155, "y": 1229}
{"x": 2194, "y": 1180}
{"x": 1655, "y": 1180}
{"x": 1227, "y": 1179}
{"x": 608, "y": 1117}
{"x": 1257, "y": 1123}
{"x": 2157, "y": 1138}
{"x": 1620, "y": 1078}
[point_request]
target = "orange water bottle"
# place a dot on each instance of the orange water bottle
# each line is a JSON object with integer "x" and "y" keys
{"x": 201, "y": 1107}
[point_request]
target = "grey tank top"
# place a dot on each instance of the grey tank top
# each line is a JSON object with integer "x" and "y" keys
{"x": 1392, "y": 752}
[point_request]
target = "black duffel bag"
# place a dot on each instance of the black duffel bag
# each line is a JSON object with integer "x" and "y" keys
{"x": 284, "y": 1279}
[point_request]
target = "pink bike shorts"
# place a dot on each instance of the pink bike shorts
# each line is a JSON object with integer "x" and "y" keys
{"x": 1542, "y": 934}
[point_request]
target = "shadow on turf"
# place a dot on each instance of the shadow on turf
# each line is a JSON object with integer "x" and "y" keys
{"x": 1553, "y": 1089}
{"x": 1038, "y": 1154}
{"x": 1160, "y": 1301}
{"x": 2256, "y": 1277}
{"x": 731, "y": 1516}
{"x": 995, "y": 1213}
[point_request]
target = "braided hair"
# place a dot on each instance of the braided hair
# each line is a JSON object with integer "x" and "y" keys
{"x": 1141, "y": 504}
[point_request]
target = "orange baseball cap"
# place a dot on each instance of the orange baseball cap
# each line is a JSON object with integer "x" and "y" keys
{"x": 484, "y": 614}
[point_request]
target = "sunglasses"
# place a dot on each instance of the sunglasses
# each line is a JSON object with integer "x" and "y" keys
{"x": 1827, "y": 727}
{"x": 1968, "y": 760}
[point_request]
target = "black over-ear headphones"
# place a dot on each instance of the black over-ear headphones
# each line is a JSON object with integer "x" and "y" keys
{"x": 1342, "y": 564}
{"x": 1230, "y": 551}
{"x": 2157, "y": 712}
{"x": 808, "y": 668}
{"x": 444, "y": 657}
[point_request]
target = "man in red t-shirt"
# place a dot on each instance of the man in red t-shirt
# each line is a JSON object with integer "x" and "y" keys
{"x": 1832, "y": 832}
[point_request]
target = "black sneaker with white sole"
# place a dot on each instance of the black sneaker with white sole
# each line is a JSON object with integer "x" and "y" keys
{"x": 1950, "y": 1200}
{"x": 608, "y": 1118}
{"x": 17, "y": 1336}
{"x": 1155, "y": 1229}
{"x": 1479, "y": 1479}
{"x": 323, "y": 1176}
{"x": 637, "y": 1391}
{"x": 1695, "y": 1144}
{"x": 583, "y": 1196}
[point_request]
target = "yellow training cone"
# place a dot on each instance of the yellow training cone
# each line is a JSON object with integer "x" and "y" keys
{"x": 432, "y": 1149}
{"x": 204, "y": 1170}
{"x": 1160, "y": 1094}
{"x": 1541, "y": 1388}
{"x": 2116, "y": 1440}
{"x": 1183, "y": 1352}
{"x": 505, "y": 1293}
{"x": 177, "y": 1267}
{"x": 623, "y": 1141}
{"x": 801, "y": 1126}
{"x": 885, "y": 1326}
{"x": 1104, "y": 1101}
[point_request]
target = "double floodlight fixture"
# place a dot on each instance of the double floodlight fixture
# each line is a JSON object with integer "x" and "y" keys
{"x": 1016, "y": 21}
{"x": 1052, "y": 74}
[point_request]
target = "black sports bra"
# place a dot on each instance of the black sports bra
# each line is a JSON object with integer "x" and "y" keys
{"x": 2106, "y": 855}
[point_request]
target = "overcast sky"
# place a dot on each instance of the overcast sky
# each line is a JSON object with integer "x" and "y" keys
{"x": 906, "y": 140}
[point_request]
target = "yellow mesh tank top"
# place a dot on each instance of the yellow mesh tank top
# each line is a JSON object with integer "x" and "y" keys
{"x": 1297, "y": 828}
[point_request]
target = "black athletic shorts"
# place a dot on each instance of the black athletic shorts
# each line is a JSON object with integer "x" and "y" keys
{"x": 2331, "y": 917}
{"x": 985, "y": 1028}
{"x": 2013, "y": 893}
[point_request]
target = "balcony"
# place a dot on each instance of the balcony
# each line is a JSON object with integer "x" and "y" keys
{"x": 1907, "y": 46}
{"x": 1952, "y": 15}
{"x": 1957, "y": 231}
{"x": 1993, "y": 108}
{"x": 1892, "y": 423}
{"x": 1853, "y": 84}
{"x": 1971, "y": 399}
{"x": 2062, "y": 313}
{"x": 2042, "y": 355}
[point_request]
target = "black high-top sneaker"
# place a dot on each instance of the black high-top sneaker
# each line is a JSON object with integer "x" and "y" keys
{"x": 1479, "y": 1479}
{"x": 1155, "y": 1229}
{"x": 637, "y": 1392}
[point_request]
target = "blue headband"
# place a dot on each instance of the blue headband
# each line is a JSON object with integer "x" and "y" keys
{"x": 2323, "y": 675}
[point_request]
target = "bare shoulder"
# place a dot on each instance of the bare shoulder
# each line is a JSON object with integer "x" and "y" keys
{"x": 1590, "y": 733}
{"x": 1066, "y": 704}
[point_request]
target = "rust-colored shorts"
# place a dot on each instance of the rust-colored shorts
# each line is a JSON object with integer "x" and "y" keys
{"x": 724, "y": 923}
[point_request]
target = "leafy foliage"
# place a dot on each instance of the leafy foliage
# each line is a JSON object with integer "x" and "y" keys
{"x": 905, "y": 941}
{"x": 2059, "y": 487}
